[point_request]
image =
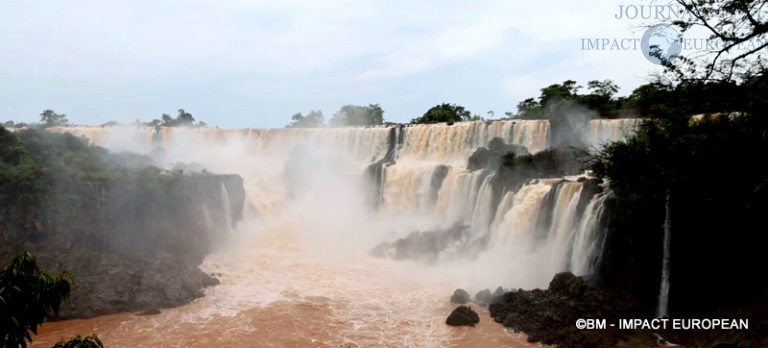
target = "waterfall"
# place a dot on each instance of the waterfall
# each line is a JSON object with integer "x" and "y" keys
{"x": 226, "y": 207}
{"x": 603, "y": 131}
{"x": 483, "y": 210}
{"x": 663, "y": 310}
{"x": 562, "y": 229}
{"x": 533, "y": 134}
{"x": 516, "y": 230}
{"x": 408, "y": 188}
{"x": 423, "y": 178}
{"x": 588, "y": 242}
{"x": 443, "y": 143}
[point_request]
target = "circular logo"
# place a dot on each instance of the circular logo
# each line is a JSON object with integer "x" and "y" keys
{"x": 661, "y": 44}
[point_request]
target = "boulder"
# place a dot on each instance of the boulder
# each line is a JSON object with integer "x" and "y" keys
{"x": 483, "y": 297}
{"x": 567, "y": 284}
{"x": 497, "y": 294}
{"x": 460, "y": 296}
{"x": 463, "y": 316}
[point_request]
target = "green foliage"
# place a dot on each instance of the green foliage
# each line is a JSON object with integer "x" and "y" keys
{"x": 27, "y": 296}
{"x": 313, "y": 119}
{"x": 714, "y": 172}
{"x": 547, "y": 163}
{"x": 600, "y": 99}
{"x": 91, "y": 341}
{"x": 445, "y": 113}
{"x": 49, "y": 181}
{"x": 652, "y": 100}
{"x": 183, "y": 119}
{"x": 21, "y": 186}
{"x": 566, "y": 90}
{"x": 352, "y": 115}
{"x": 528, "y": 108}
{"x": 50, "y": 118}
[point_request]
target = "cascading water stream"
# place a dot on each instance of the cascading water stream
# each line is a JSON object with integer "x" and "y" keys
{"x": 561, "y": 233}
{"x": 483, "y": 209}
{"x": 600, "y": 132}
{"x": 663, "y": 310}
{"x": 226, "y": 206}
{"x": 516, "y": 232}
{"x": 587, "y": 243}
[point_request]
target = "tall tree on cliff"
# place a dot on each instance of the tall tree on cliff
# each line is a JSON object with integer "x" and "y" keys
{"x": 50, "y": 118}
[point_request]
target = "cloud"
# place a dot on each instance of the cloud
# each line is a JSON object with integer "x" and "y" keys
{"x": 98, "y": 60}
{"x": 450, "y": 44}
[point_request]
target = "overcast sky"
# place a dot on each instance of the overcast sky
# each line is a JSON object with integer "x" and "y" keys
{"x": 255, "y": 63}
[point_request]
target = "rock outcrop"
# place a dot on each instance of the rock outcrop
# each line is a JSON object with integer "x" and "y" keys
{"x": 423, "y": 245}
{"x": 549, "y": 316}
{"x": 460, "y": 296}
{"x": 463, "y": 316}
{"x": 138, "y": 244}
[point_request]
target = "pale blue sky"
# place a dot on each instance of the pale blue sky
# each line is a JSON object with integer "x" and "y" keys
{"x": 255, "y": 63}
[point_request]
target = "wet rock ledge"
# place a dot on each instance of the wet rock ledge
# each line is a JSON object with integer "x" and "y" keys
{"x": 549, "y": 316}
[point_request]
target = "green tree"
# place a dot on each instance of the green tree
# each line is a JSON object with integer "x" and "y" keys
{"x": 566, "y": 90}
{"x": 313, "y": 119}
{"x": 528, "y": 108}
{"x": 604, "y": 89}
{"x": 167, "y": 120}
{"x": 352, "y": 115}
{"x": 50, "y": 118}
{"x": 184, "y": 118}
{"x": 652, "y": 99}
{"x": 600, "y": 97}
{"x": 444, "y": 113}
{"x": 28, "y": 296}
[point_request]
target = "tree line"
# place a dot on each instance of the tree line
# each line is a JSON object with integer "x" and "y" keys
{"x": 657, "y": 99}
{"x": 50, "y": 118}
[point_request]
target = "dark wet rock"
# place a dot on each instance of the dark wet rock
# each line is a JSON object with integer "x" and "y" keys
{"x": 590, "y": 187}
{"x": 463, "y": 316}
{"x": 497, "y": 294}
{"x": 549, "y": 316}
{"x": 375, "y": 171}
{"x": 460, "y": 296}
{"x": 566, "y": 283}
{"x": 483, "y": 297}
{"x": 420, "y": 245}
{"x": 436, "y": 181}
{"x": 479, "y": 159}
{"x": 117, "y": 267}
{"x": 491, "y": 156}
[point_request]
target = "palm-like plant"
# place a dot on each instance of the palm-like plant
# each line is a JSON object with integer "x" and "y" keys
{"x": 28, "y": 296}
